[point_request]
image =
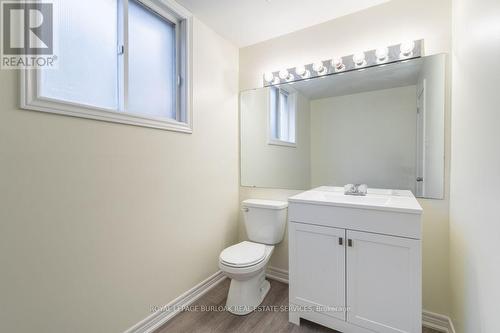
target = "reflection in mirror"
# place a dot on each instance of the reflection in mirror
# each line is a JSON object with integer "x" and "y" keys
{"x": 383, "y": 126}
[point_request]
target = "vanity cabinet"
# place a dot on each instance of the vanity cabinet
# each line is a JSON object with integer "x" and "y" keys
{"x": 383, "y": 279}
{"x": 317, "y": 282}
{"x": 348, "y": 271}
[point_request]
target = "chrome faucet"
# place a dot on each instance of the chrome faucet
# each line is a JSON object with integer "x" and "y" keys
{"x": 355, "y": 189}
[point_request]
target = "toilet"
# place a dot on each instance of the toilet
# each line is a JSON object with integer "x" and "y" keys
{"x": 245, "y": 263}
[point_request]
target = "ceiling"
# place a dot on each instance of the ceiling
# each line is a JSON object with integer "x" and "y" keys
{"x": 246, "y": 22}
{"x": 399, "y": 74}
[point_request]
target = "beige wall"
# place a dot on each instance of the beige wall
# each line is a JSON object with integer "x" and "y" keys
{"x": 101, "y": 221}
{"x": 353, "y": 139}
{"x": 386, "y": 24}
{"x": 475, "y": 174}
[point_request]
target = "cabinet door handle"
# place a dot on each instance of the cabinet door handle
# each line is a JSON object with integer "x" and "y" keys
{"x": 341, "y": 241}
{"x": 349, "y": 242}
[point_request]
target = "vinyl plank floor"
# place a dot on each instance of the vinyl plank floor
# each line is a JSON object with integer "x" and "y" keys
{"x": 208, "y": 315}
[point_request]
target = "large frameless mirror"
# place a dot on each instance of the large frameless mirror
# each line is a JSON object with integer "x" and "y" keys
{"x": 383, "y": 126}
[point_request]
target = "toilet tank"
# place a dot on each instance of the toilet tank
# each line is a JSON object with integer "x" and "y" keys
{"x": 265, "y": 220}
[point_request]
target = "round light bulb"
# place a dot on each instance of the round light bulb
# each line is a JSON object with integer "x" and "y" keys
{"x": 319, "y": 68}
{"x": 407, "y": 48}
{"x": 268, "y": 77}
{"x": 284, "y": 74}
{"x": 382, "y": 54}
{"x": 338, "y": 64}
{"x": 359, "y": 59}
{"x": 300, "y": 70}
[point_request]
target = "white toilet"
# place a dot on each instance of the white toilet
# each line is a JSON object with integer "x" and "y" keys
{"x": 245, "y": 263}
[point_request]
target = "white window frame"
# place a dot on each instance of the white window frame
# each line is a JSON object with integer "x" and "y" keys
{"x": 30, "y": 80}
{"x": 292, "y": 105}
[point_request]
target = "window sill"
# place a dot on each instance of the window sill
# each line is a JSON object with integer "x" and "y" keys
{"x": 282, "y": 143}
{"x": 30, "y": 101}
{"x": 112, "y": 116}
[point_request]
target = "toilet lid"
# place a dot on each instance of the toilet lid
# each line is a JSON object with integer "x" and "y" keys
{"x": 243, "y": 254}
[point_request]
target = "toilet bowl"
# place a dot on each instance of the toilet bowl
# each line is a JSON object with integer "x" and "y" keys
{"x": 245, "y": 263}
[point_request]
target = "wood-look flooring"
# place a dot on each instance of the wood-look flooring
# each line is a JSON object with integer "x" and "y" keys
{"x": 255, "y": 322}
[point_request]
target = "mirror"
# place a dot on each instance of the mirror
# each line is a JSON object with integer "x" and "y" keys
{"x": 383, "y": 126}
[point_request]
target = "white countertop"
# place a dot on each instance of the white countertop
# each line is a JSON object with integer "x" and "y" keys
{"x": 377, "y": 199}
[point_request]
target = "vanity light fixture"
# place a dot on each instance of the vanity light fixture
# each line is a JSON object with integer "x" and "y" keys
{"x": 319, "y": 68}
{"x": 338, "y": 65}
{"x": 271, "y": 79}
{"x": 406, "y": 49}
{"x": 382, "y": 54}
{"x": 359, "y": 59}
{"x": 284, "y": 74}
{"x": 268, "y": 77}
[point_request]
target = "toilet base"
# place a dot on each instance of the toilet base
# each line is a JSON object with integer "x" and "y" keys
{"x": 246, "y": 295}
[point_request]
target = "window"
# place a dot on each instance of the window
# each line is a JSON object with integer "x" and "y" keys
{"x": 282, "y": 117}
{"x": 123, "y": 61}
{"x": 152, "y": 63}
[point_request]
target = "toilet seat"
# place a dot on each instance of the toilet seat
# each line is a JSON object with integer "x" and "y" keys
{"x": 243, "y": 254}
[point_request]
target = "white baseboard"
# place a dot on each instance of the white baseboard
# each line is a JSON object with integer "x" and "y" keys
{"x": 437, "y": 322}
{"x": 432, "y": 320}
{"x": 159, "y": 318}
{"x": 277, "y": 274}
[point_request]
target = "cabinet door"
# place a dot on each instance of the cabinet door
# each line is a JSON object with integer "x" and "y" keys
{"x": 317, "y": 268}
{"x": 383, "y": 282}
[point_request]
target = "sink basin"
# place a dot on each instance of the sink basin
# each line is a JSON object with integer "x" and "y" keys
{"x": 379, "y": 199}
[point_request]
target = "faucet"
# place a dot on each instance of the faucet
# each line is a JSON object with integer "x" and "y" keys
{"x": 355, "y": 189}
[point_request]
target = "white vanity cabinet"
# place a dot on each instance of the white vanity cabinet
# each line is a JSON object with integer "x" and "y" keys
{"x": 315, "y": 281}
{"x": 355, "y": 263}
